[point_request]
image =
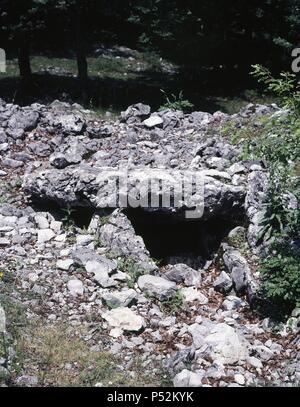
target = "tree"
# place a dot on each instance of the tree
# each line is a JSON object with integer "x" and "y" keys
{"x": 201, "y": 36}
{"x": 80, "y": 19}
{"x": 218, "y": 34}
{"x": 18, "y": 21}
{"x": 76, "y": 17}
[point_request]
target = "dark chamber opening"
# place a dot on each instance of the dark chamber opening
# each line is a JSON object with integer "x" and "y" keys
{"x": 166, "y": 236}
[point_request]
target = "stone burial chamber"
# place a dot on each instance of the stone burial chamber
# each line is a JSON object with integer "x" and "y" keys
{"x": 231, "y": 192}
{"x": 163, "y": 233}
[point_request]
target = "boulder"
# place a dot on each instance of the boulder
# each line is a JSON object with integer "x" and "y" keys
{"x": 95, "y": 187}
{"x": 120, "y": 236}
{"x": 68, "y": 123}
{"x": 223, "y": 283}
{"x": 153, "y": 121}
{"x": 198, "y": 332}
{"x": 137, "y": 112}
{"x": 82, "y": 256}
{"x": 191, "y": 294}
{"x": 186, "y": 378}
{"x": 123, "y": 298}
{"x": 157, "y": 287}
{"x": 40, "y": 149}
{"x": 238, "y": 269}
{"x": 24, "y": 120}
{"x": 181, "y": 273}
{"x": 101, "y": 269}
{"x": 227, "y": 346}
{"x": 45, "y": 235}
{"x": 75, "y": 287}
{"x": 125, "y": 319}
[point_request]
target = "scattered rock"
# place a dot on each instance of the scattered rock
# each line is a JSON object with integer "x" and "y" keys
{"x": 75, "y": 287}
{"x": 100, "y": 270}
{"x": 11, "y": 163}
{"x": 238, "y": 269}
{"x": 65, "y": 154}
{"x": 233, "y": 303}
{"x": 157, "y": 287}
{"x": 4, "y": 241}
{"x": 123, "y": 298}
{"x": 2, "y": 321}
{"x": 153, "y": 121}
{"x": 191, "y": 294}
{"x": 227, "y": 347}
{"x": 134, "y": 112}
{"x": 25, "y": 120}
{"x": 64, "y": 264}
{"x": 223, "y": 283}
{"x": 45, "y": 235}
{"x": 125, "y": 319}
{"x": 239, "y": 379}
{"x": 42, "y": 222}
{"x": 186, "y": 378}
{"x": 181, "y": 273}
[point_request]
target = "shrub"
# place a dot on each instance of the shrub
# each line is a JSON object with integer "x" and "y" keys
{"x": 278, "y": 146}
{"x": 67, "y": 219}
{"x": 173, "y": 304}
{"x": 130, "y": 267}
{"x": 286, "y": 87}
{"x": 280, "y": 274}
{"x": 176, "y": 102}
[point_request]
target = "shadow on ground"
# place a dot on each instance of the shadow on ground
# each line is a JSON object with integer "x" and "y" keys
{"x": 208, "y": 90}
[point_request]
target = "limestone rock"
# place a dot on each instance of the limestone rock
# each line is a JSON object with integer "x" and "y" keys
{"x": 45, "y": 235}
{"x": 64, "y": 264}
{"x": 75, "y": 287}
{"x": 223, "y": 283}
{"x": 153, "y": 121}
{"x": 2, "y": 321}
{"x": 101, "y": 270}
{"x": 157, "y": 287}
{"x": 120, "y": 298}
{"x": 226, "y": 345}
{"x": 181, "y": 273}
{"x": 25, "y": 120}
{"x": 125, "y": 319}
{"x": 191, "y": 294}
{"x": 186, "y": 378}
{"x": 135, "y": 112}
{"x": 238, "y": 269}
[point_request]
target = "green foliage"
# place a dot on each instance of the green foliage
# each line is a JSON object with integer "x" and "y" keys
{"x": 238, "y": 240}
{"x": 97, "y": 242}
{"x": 286, "y": 87}
{"x": 281, "y": 217}
{"x": 176, "y": 102}
{"x": 59, "y": 357}
{"x": 173, "y": 304}
{"x": 280, "y": 273}
{"x": 278, "y": 146}
{"x": 130, "y": 267}
{"x": 218, "y": 34}
{"x": 67, "y": 220}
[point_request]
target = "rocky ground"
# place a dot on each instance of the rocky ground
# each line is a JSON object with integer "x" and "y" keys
{"x": 107, "y": 296}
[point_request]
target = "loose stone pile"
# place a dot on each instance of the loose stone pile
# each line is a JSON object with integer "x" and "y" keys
{"x": 189, "y": 316}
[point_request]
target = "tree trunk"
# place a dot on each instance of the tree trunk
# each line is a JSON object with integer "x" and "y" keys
{"x": 82, "y": 74}
{"x": 24, "y": 62}
{"x": 82, "y": 64}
